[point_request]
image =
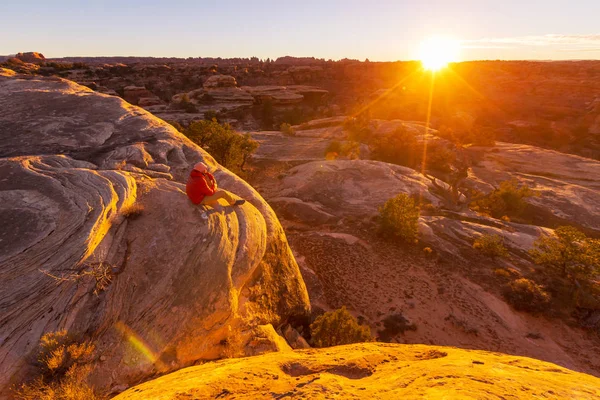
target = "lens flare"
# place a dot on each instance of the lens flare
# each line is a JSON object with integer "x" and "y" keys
{"x": 139, "y": 344}
{"x": 436, "y": 52}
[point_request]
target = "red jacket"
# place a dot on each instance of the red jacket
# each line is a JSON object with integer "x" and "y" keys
{"x": 200, "y": 185}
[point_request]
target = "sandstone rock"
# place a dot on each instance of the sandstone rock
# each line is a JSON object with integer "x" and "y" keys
{"x": 279, "y": 95}
{"x": 294, "y": 339}
{"x": 568, "y": 185}
{"x": 216, "y": 81}
{"x": 373, "y": 371}
{"x": 182, "y": 276}
{"x": 264, "y": 339}
{"x": 274, "y": 145}
{"x": 133, "y": 95}
{"x": 353, "y": 187}
{"x": 149, "y": 101}
{"x": 31, "y": 57}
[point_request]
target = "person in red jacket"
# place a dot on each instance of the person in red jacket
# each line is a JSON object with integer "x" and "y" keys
{"x": 202, "y": 188}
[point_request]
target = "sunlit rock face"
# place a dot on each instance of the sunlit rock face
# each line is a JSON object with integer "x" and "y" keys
{"x": 373, "y": 371}
{"x": 73, "y": 162}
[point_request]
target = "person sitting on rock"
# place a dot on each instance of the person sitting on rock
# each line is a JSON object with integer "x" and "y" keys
{"x": 202, "y": 188}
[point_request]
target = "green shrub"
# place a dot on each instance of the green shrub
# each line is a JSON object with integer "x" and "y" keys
{"x": 338, "y": 327}
{"x": 211, "y": 115}
{"x": 337, "y": 149}
{"x": 359, "y": 128}
{"x": 394, "y": 325}
{"x": 186, "y": 105}
{"x": 491, "y": 246}
{"x": 507, "y": 200}
{"x": 399, "y": 217}
{"x": 64, "y": 370}
{"x": 287, "y": 129}
{"x": 525, "y": 295}
{"x": 400, "y": 147}
{"x": 568, "y": 253}
{"x": 228, "y": 147}
{"x": 334, "y": 147}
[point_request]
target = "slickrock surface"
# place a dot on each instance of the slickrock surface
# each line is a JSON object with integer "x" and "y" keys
{"x": 372, "y": 371}
{"x": 73, "y": 163}
{"x": 453, "y": 297}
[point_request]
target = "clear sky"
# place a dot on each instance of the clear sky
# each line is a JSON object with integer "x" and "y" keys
{"x": 375, "y": 29}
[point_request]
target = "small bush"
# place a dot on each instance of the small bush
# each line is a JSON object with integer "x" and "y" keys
{"x": 287, "y": 129}
{"x": 503, "y": 273}
{"x": 525, "y": 295}
{"x": 186, "y": 105}
{"x": 229, "y": 148}
{"x": 359, "y": 127}
{"x": 338, "y": 327}
{"x": 337, "y": 149}
{"x": 394, "y": 325}
{"x": 399, "y": 217}
{"x": 491, "y": 246}
{"x": 400, "y": 147}
{"x": 211, "y": 115}
{"x": 568, "y": 253}
{"x": 508, "y": 200}
{"x": 64, "y": 370}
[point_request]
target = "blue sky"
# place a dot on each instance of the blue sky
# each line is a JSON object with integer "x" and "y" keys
{"x": 375, "y": 29}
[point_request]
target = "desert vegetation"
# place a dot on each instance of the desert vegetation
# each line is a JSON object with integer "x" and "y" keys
{"x": 508, "y": 200}
{"x": 229, "y": 148}
{"x": 491, "y": 246}
{"x": 526, "y": 295}
{"x": 399, "y": 218}
{"x": 64, "y": 366}
{"x": 338, "y": 327}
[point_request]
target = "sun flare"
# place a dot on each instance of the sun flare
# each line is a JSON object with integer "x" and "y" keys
{"x": 437, "y": 52}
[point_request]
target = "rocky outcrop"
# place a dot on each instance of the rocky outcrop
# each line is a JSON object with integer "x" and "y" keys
{"x": 139, "y": 95}
{"x": 99, "y": 239}
{"x": 31, "y": 57}
{"x": 286, "y": 95}
{"x": 216, "y": 81}
{"x": 568, "y": 186}
{"x": 330, "y": 209}
{"x": 373, "y": 371}
{"x": 223, "y": 88}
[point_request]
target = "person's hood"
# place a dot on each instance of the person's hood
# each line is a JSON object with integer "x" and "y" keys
{"x": 196, "y": 174}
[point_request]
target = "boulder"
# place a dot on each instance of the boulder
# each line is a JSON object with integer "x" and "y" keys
{"x": 97, "y": 237}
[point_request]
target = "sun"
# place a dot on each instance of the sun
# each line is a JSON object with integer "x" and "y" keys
{"x": 436, "y": 52}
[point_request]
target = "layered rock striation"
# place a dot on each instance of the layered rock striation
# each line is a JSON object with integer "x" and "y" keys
{"x": 98, "y": 238}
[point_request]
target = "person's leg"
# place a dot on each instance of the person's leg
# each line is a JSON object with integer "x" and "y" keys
{"x": 219, "y": 194}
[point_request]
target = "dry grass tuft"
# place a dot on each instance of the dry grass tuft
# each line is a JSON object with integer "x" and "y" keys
{"x": 132, "y": 211}
{"x": 64, "y": 367}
